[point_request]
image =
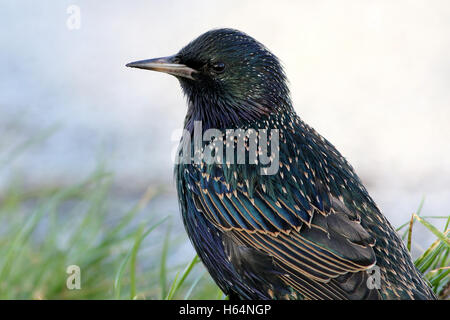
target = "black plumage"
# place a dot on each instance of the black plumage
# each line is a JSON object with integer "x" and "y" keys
{"x": 309, "y": 231}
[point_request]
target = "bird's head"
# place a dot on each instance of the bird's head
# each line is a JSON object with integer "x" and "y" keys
{"x": 227, "y": 76}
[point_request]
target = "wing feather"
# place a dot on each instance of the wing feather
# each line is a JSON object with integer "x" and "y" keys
{"x": 319, "y": 254}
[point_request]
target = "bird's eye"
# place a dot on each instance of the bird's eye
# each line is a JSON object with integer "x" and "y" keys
{"x": 218, "y": 67}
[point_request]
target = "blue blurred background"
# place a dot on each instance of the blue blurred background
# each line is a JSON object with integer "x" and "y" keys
{"x": 372, "y": 77}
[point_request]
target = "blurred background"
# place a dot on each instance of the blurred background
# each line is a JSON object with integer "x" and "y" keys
{"x": 371, "y": 76}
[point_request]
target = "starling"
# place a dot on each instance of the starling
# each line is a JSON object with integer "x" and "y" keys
{"x": 297, "y": 224}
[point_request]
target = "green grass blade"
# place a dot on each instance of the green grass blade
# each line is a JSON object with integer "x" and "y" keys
{"x": 18, "y": 241}
{"x": 426, "y": 260}
{"x": 119, "y": 275}
{"x": 173, "y": 287}
{"x": 177, "y": 283}
{"x": 120, "y": 271}
{"x": 434, "y": 230}
{"x": 133, "y": 259}
{"x": 163, "y": 264}
{"x": 411, "y": 223}
{"x": 194, "y": 284}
